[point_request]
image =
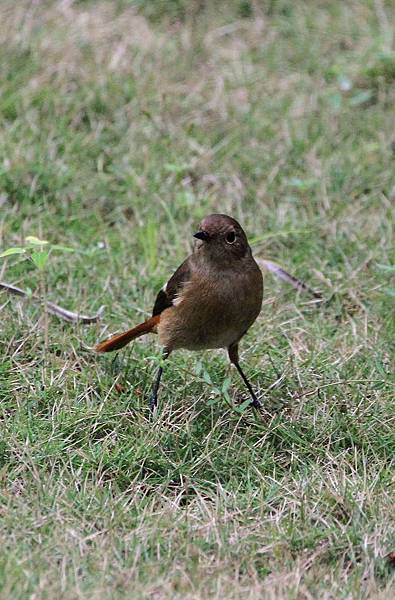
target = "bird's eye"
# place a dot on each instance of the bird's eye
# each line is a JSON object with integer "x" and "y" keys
{"x": 231, "y": 237}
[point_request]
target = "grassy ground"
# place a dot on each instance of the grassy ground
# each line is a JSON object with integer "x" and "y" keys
{"x": 122, "y": 124}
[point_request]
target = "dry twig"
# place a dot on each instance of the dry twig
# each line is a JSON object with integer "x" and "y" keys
{"x": 55, "y": 309}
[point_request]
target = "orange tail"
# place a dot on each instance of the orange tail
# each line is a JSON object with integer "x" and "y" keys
{"x": 121, "y": 339}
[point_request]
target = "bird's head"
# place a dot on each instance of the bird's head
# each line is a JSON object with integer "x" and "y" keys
{"x": 221, "y": 238}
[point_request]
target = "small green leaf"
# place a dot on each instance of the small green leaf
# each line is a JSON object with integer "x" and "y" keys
{"x": 206, "y": 377}
{"x": 302, "y": 184}
{"x": 62, "y": 248}
{"x": 225, "y": 385}
{"x": 198, "y": 367}
{"x": 386, "y": 268}
{"x": 243, "y": 406}
{"x": 389, "y": 292}
{"x": 175, "y": 168}
{"x": 11, "y": 251}
{"x": 361, "y": 98}
{"x": 40, "y": 259}
{"x": 35, "y": 241}
{"x": 212, "y": 401}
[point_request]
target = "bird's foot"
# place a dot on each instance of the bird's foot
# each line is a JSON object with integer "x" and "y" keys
{"x": 256, "y": 404}
{"x": 253, "y": 401}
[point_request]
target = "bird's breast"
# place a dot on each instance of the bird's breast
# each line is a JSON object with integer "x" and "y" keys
{"x": 212, "y": 311}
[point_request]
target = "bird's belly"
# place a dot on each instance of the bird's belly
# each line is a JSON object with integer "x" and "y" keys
{"x": 205, "y": 325}
{"x": 204, "y": 339}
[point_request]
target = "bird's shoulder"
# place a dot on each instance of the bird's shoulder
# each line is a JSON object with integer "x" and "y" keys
{"x": 168, "y": 295}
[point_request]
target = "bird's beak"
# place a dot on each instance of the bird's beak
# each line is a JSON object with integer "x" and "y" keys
{"x": 201, "y": 235}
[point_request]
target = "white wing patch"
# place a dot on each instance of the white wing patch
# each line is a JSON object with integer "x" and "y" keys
{"x": 177, "y": 300}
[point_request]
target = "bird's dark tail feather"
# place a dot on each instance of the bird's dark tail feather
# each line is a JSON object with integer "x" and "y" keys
{"x": 121, "y": 339}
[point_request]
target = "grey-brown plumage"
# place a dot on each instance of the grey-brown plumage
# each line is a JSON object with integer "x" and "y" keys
{"x": 211, "y": 300}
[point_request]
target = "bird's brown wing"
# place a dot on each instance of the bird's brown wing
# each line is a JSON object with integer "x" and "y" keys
{"x": 172, "y": 289}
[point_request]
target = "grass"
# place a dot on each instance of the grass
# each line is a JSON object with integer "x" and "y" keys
{"x": 123, "y": 124}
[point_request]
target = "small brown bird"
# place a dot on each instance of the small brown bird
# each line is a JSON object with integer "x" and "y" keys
{"x": 210, "y": 302}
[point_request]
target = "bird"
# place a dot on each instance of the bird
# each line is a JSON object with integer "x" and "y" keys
{"x": 210, "y": 301}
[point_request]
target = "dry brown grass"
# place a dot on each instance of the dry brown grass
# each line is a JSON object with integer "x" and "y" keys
{"x": 123, "y": 126}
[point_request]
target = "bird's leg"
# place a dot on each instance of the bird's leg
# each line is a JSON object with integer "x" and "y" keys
{"x": 153, "y": 403}
{"x": 233, "y": 352}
